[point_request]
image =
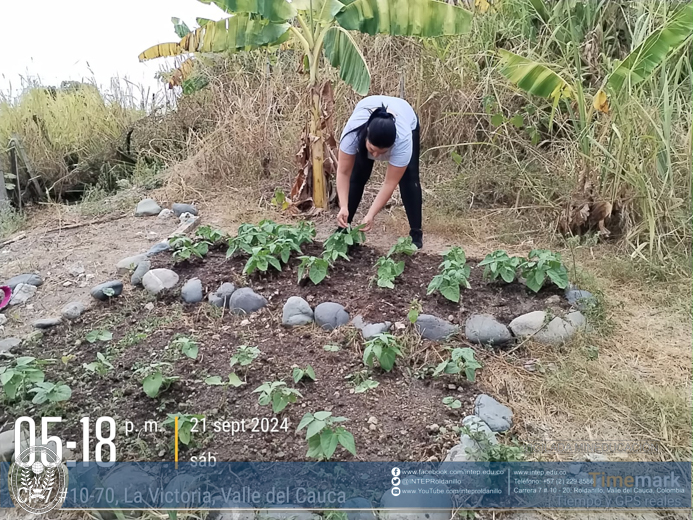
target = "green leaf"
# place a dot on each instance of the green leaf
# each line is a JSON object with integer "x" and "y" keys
{"x": 152, "y": 384}
{"x": 297, "y": 374}
{"x": 387, "y": 359}
{"x": 533, "y": 77}
{"x": 332, "y": 348}
{"x": 451, "y": 292}
{"x": 423, "y": 18}
{"x": 279, "y": 402}
{"x": 307, "y": 419}
{"x": 328, "y": 443}
{"x": 497, "y": 119}
{"x": 343, "y": 53}
{"x": 310, "y": 372}
{"x": 517, "y": 121}
{"x": 457, "y": 158}
{"x": 274, "y": 263}
{"x": 213, "y": 380}
{"x": 234, "y": 380}
{"x": 317, "y": 273}
{"x": 346, "y": 439}
{"x": 646, "y": 57}
{"x": 314, "y": 428}
{"x": 321, "y": 416}
{"x": 181, "y": 28}
{"x": 61, "y": 393}
{"x": 191, "y": 351}
{"x": 272, "y": 10}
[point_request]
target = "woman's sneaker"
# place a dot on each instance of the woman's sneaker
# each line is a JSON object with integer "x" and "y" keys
{"x": 416, "y": 238}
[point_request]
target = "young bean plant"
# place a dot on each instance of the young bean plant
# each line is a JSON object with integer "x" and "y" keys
{"x": 462, "y": 360}
{"x": 454, "y": 273}
{"x": 315, "y": 267}
{"x": 404, "y": 246}
{"x": 387, "y": 271}
{"x": 185, "y": 248}
{"x": 499, "y": 265}
{"x": 324, "y": 433}
{"x": 277, "y": 394}
{"x": 385, "y": 348}
{"x": 542, "y": 264}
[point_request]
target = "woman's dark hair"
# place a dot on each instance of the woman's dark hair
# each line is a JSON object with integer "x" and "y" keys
{"x": 380, "y": 129}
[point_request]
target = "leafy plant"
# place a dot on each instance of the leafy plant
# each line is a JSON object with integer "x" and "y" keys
{"x": 101, "y": 366}
{"x": 542, "y": 263}
{"x": 300, "y": 373}
{"x": 186, "y": 423}
{"x": 185, "y": 248}
{"x": 233, "y": 381}
{"x": 388, "y": 270}
{"x": 314, "y": 266}
{"x": 283, "y": 247}
{"x": 279, "y": 199}
{"x": 385, "y": 348}
{"x": 462, "y": 360}
{"x": 489, "y": 451}
{"x": 50, "y": 392}
{"x": 324, "y": 434}
{"x": 455, "y": 273}
{"x": 17, "y": 379}
{"x": 210, "y": 234}
{"x": 452, "y": 403}
{"x": 499, "y": 264}
{"x": 98, "y": 335}
{"x": 332, "y": 348}
{"x": 338, "y": 243}
{"x": 364, "y": 386}
{"x": 404, "y": 246}
{"x": 155, "y": 382}
{"x": 260, "y": 260}
{"x": 187, "y": 346}
{"x": 278, "y": 394}
{"x": 415, "y": 309}
{"x": 244, "y": 356}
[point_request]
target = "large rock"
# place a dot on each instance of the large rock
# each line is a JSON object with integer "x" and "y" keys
{"x": 22, "y": 293}
{"x": 72, "y": 310}
{"x": 147, "y": 208}
{"x": 142, "y": 268}
{"x": 179, "y": 209}
{"x": 330, "y": 315}
{"x": 296, "y": 312}
{"x": 473, "y": 441}
{"x": 29, "y": 279}
{"x": 46, "y": 323}
{"x": 528, "y": 324}
{"x": 97, "y": 291}
{"x": 9, "y": 344}
{"x": 577, "y": 320}
{"x": 498, "y": 416}
{"x": 130, "y": 263}
{"x": 6, "y": 445}
{"x": 158, "y": 280}
{"x": 486, "y": 330}
{"x": 221, "y": 297}
{"x": 434, "y": 506}
{"x": 359, "y": 503}
{"x": 556, "y": 332}
{"x": 246, "y": 301}
{"x": 192, "y": 291}
{"x": 434, "y": 328}
{"x": 157, "y": 248}
{"x": 581, "y": 299}
{"x": 369, "y": 330}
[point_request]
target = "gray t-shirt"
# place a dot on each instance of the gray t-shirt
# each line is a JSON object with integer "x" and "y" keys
{"x": 405, "y": 121}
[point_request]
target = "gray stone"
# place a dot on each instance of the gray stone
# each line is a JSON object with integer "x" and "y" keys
{"x": 128, "y": 479}
{"x": 166, "y": 213}
{"x": 9, "y": 344}
{"x": 158, "y": 280}
{"x": 192, "y": 291}
{"x": 581, "y": 299}
{"x": 130, "y": 263}
{"x": 6, "y": 445}
{"x": 22, "y": 293}
{"x": 158, "y": 248}
{"x": 528, "y": 324}
{"x": 486, "y": 330}
{"x": 29, "y": 279}
{"x": 142, "y": 268}
{"x": 556, "y": 332}
{"x": 577, "y": 320}
{"x": 359, "y": 503}
{"x": 434, "y": 506}
{"x": 330, "y": 315}
{"x": 369, "y": 330}
{"x": 147, "y": 208}
{"x": 179, "y": 209}
{"x": 221, "y": 297}
{"x": 46, "y": 323}
{"x": 296, "y": 312}
{"x": 3, "y": 319}
{"x": 278, "y": 513}
{"x": 246, "y": 301}
{"x": 473, "y": 441}
{"x": 97, "y": 291}
{"x": 498, "y": 416}
{"x": 72, "y": 310}
{"x": 434, "y": 328}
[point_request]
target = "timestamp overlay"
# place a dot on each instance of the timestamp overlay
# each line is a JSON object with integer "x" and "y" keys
{"x": 386, "y": 485}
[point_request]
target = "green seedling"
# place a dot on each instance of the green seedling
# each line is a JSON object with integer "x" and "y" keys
{"x": 385, "y": 348}
{"x": 324, "y": 434}
{"x": 185, "y": 248}
{"x": 260, "y": 260}
{"x": 542, "y": 264}
{"x": 210, "y": 234}
{"x": 99, "y": 335}
{"x": 462, "y": 360}
{"x": 278, "y": 394}
{"x": 279, "y": 200}
{"x": 415, "y": 310}
{"x": 187, "y": 346}
{"x": 452, "y": 403}
{"x": 300, "y": 373}
{"x": 364, "y": 386}
{"x": 187, "y": 425}
{"x": 332, "y": 348}
{"x": 233, "y": 381}
{"x": 101, "y": 366}
{"x": 50, "y": 392}
{"x": 20, "y": 377}
{"x": 283, "y": 247}
{"x": 388, "y": 270}
{"x": 404, "y": 246}
{"x": 155, "y": 382}
{"x": 314, "y": 266}
{"x": 499, "y": 265}
{"x": 244, "y": 356}
{"x": 454, "y": 273}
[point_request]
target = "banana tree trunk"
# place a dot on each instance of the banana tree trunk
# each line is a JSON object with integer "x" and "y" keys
{"x": 317, "y": 152}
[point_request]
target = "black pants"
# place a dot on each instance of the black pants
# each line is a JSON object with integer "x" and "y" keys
{"x": 409, "y": 185}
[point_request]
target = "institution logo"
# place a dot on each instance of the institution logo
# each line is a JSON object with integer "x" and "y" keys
{"x": 38, "y": 480}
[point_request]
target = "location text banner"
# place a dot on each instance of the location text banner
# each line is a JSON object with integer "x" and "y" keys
{"x": 391, "y": 485}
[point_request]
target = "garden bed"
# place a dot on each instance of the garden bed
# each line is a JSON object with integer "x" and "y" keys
{"x": 394, "y": 421}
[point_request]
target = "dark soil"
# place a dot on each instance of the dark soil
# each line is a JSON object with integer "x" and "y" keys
{"x": 400, "y": 409}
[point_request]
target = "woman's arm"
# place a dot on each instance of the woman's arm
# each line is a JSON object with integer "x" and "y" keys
{"x": 392, "y": 177}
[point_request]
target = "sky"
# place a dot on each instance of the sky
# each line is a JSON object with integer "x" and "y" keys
{"x": 59, "y": 40}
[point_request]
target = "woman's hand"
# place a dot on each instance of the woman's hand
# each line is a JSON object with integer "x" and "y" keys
{"x": 367, "y": 223}
{"x": 343, "y": 217}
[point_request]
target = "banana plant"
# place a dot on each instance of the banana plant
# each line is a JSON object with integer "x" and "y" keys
{"x": 319, "y": 28}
